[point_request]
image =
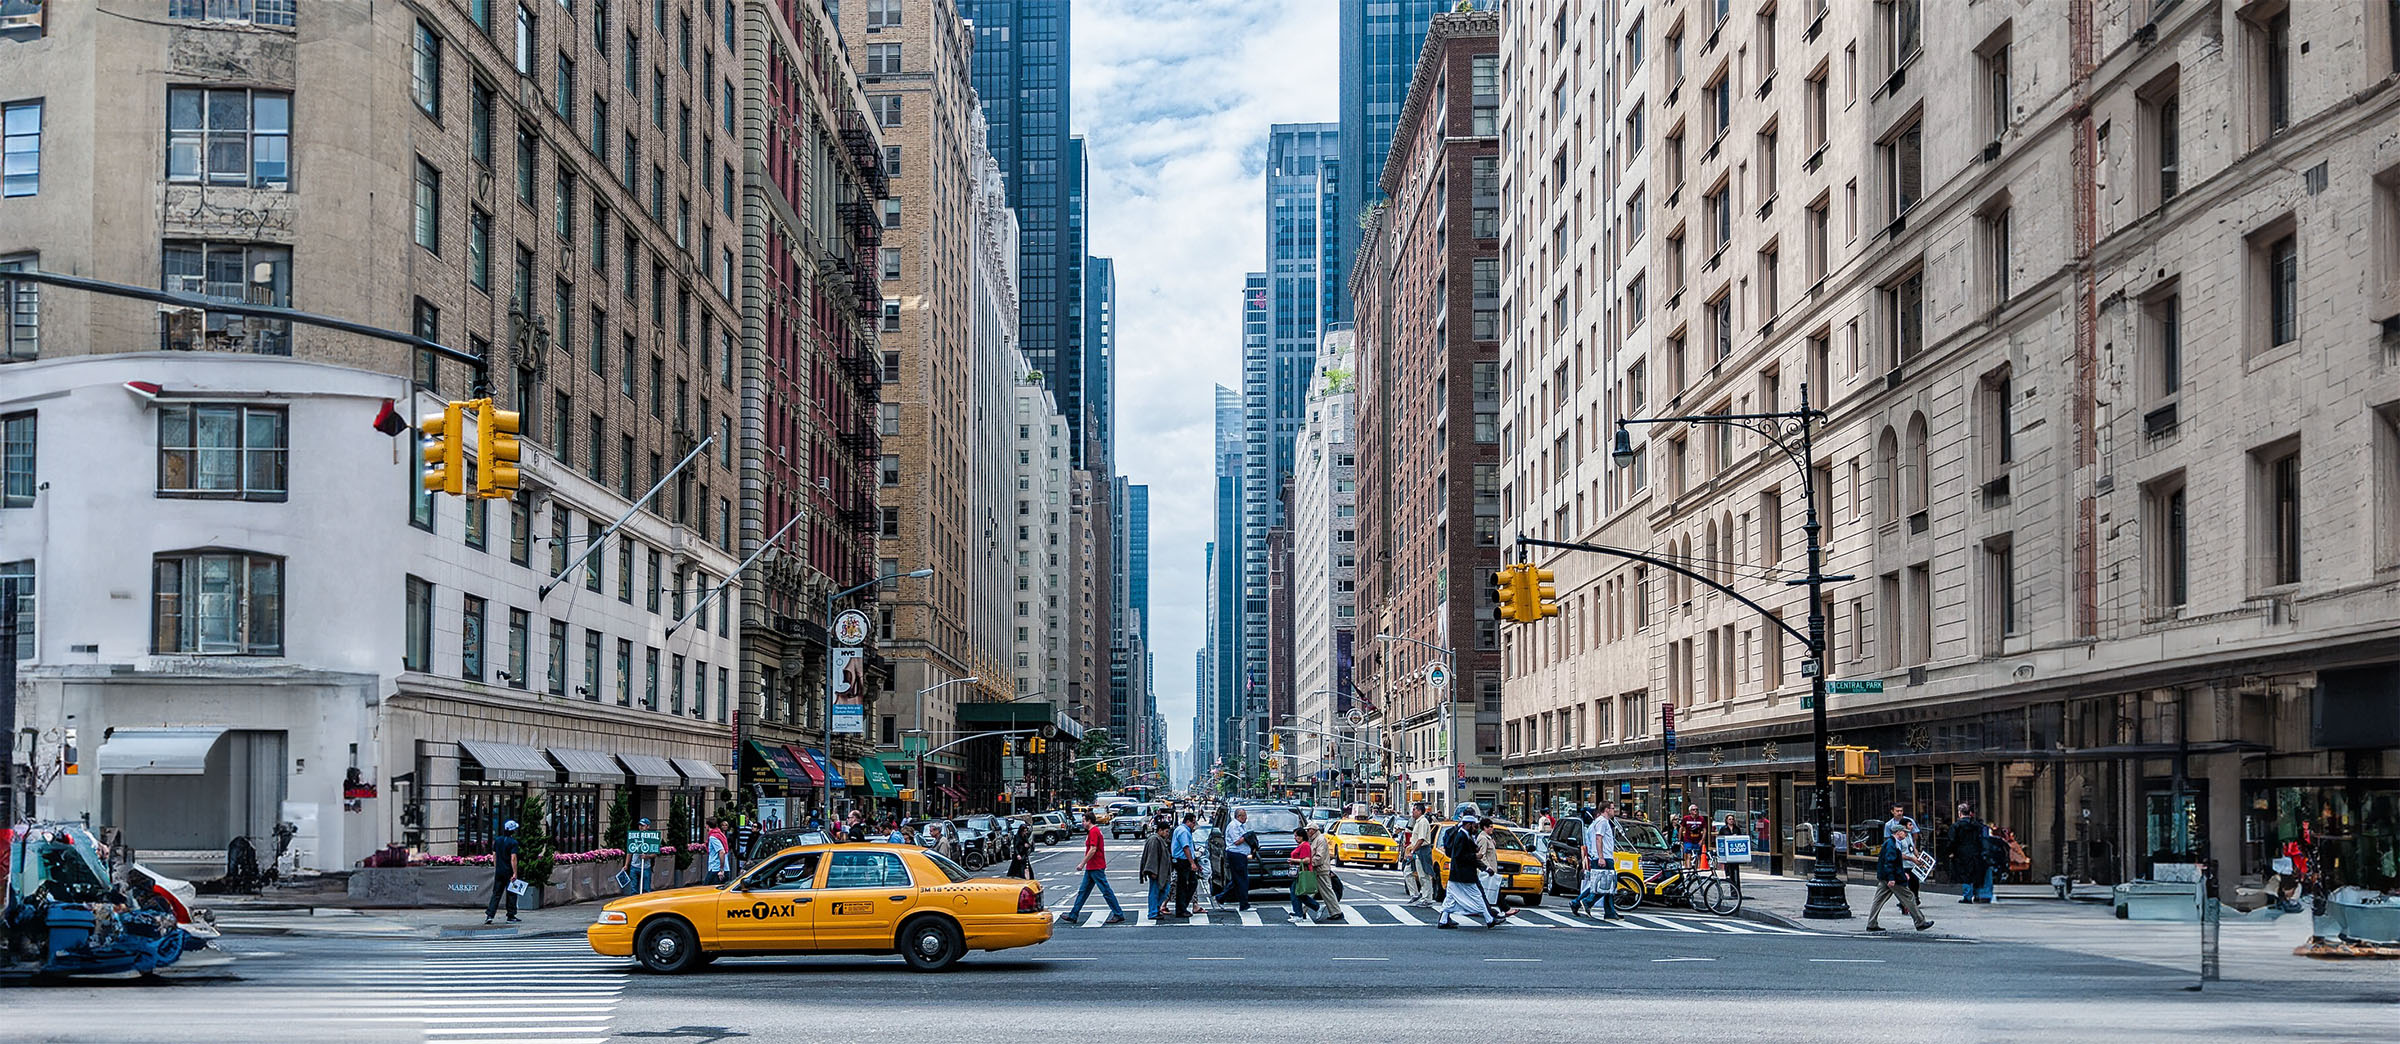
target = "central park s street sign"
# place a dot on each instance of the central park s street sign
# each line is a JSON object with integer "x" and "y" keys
{"x": 1853, "y": 688}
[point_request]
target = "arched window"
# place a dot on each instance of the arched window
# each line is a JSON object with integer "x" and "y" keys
{"x": 1919, "y": 477}
{"x": 1887, "y": 477}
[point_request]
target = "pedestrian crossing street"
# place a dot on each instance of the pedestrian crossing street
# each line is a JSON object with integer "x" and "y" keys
{"x": 548, "y": 991}
{"x": 1374, "y": 914}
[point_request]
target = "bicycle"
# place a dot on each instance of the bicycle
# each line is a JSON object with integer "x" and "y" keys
{"x": 1701, "y": 890}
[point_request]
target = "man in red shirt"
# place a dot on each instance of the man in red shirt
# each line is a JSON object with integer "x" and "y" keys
{"x": 1095, "y": 873}
{"x": 1692, "y": 829}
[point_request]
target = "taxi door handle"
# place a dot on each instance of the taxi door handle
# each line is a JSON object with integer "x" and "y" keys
{"x": 898, "y": 898}
{"x": 804, "y": 900}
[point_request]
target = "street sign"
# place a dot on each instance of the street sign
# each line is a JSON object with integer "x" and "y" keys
{"x": 641, "y": 842}
{"x": 1666, "y": 714}
{"x": 1670, "y": 739}
{"x": 849, "y": 719}
{"x": 1437, "y": 676}
{"x": 1012, "y": 769}
{"x": 1856, "y": 687}
{"x": 1808, "y": 701}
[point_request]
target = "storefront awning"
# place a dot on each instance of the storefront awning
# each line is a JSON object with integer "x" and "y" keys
{"x": 158, "y": 752}
{"x": 879, "y": 779}
{"x": 781, "y": 759}
{"x": 508, "y": 762}
{"x": 833, "y": 773}
{"x": 698, "y": 773}
{"x": 852, "y": 773}
{"x": 810, "y": 767}
{"x": 587, "y": 766}
{"x": 650, "y": 770}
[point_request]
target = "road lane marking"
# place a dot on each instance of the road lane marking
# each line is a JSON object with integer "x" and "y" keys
{"x": 1216, "y": 958}
{"x": 1512, "y": 960}
{"x": 1070, "y": 958}
{"x": 1250, "y": 919}
{"x": 1678, "y": 960}
{"x": 1846, "y": 960}
{"x": 1362, "y": 958}
{"x": 1661, "y": 922}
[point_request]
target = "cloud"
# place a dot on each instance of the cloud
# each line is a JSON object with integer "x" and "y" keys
{"x": 1175, "y": 97}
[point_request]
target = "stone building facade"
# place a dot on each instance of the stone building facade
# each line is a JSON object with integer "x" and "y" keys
{"x": 2103, "y": 466}
{"x": 536, "y": 186}
{"x": 1325, "y": 744}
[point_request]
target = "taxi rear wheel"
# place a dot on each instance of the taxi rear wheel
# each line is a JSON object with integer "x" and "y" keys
{"x": 668, "y": 947}
{"x": 931, "y": 944}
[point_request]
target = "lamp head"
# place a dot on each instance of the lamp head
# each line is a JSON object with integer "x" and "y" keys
{"x": 919, "y": 573}
{"x": 1622, "y": 452}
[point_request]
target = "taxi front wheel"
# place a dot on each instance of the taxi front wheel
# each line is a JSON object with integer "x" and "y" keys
{"x": 668, "y": 947}
{"x": 931, "y": 944}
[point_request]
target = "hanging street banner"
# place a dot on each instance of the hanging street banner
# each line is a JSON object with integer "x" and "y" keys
{"x": 848, "y": 667}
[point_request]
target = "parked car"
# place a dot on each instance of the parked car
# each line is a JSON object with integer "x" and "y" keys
{"x": 1128, "y": 824}
{"x": 1642, "y": 849}
{"x": 1050, "y": 828}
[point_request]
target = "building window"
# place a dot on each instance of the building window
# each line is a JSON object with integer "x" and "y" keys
{"x": 2167, "y": 139}
{"x": 1901, "y": 19}
{"x": 2279, "y": 257}
{"x": 2170, "y": 542}
{"x": 255, "y": 12}
{"x": 1996, "y": 227}
{"x": 21, "y": 572}
{"x": 217, "y": 603}
{"x": 416, "y": 653}
{"x": 525, "y": 40}
{"x": 1904, "y": 168}
{"x": 887, "y": 109}
{"x": 228, "y": 272}
{"x": 21, "y": 148}
{"x": 590, "y": 689}
{"x": 883, "y": 59}
{"x": 1904, "y": 315}
{"x": 226, "y": 137}
{"x": 2278, "y": 484}
{"x": 21, "y": 330}
{"x": 2271, "y": 36}
{"x": 624, "y": 672}
{"x": 428, "y": 224}
{"x": 470, "y": 638}
{"x": 18, "y": 483}
{"x": 650, "y": 677}
{"x": 890, "y": 258}
{"x": 479, "y": 249}
{"x": 883, "y": 13}
{"x": 2162, "y": 368}
{"x": 2000, "y": 578}
{"x": 425, "y": 71}
{"x": 520, "y": 655}
{"x": 234, "y": 452}
{"x": 1997, "y": 102}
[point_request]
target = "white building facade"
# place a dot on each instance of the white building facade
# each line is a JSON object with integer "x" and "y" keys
{"x": 1325, "y": 571}
{"x": 243, "y": 613}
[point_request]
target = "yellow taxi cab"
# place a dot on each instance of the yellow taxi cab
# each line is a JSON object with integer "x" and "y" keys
{"x": 1363, "y": 841}
{"x": 828, "y": 899}
{"x": 1520, "y": 871}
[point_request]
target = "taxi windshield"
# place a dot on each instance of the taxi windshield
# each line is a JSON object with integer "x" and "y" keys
{"x": 1363, "y": 830}
{"x": 947, "y": 866}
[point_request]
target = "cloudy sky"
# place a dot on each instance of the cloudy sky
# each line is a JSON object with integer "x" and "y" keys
{"x": 1175, "y": 97}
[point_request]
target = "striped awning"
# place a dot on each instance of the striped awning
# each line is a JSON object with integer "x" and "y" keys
{"x": 650, "y": 770}
{"x": 587, "y": 766}
{"x": 698, "y": 773}
{"x": 808, "y": 764}
{"x": 508, "y": 762}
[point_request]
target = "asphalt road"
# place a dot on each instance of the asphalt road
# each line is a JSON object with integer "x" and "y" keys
{"x": 1227, "y": 980}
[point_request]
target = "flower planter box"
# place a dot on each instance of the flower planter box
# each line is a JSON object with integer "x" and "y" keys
{"x": 471, "y": 886}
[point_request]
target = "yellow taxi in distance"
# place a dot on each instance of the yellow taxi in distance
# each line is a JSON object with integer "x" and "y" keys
{"x": 1363, "y": 841}
{"x": 1520, "y": 872}
{"x": 826, "y": 899}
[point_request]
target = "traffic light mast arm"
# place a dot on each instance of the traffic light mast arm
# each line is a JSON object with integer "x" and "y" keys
{"x": 211, "y": 304}
{"x": 594, "y": 546}
{"x": 733, "y": 576}
{"x": 1680, "y": 570}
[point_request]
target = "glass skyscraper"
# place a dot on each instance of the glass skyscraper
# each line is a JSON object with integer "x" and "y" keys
{"x": 1380, "y": 41}
{"x": 1021, "y": 75}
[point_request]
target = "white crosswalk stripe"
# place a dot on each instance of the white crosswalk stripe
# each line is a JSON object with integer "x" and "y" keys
{"x": 1378, "y": 914}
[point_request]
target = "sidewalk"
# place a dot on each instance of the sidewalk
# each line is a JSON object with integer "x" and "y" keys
{"x": 2251, "y": 948}
{"x": 236, "y": 917}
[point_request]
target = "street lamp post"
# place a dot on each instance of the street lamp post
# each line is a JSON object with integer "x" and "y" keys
{"x": 830, "y": 600}
{"x": 916, "y": 777}
{"x": 1826, "y": 899}
{"x": 1449, "y": 706}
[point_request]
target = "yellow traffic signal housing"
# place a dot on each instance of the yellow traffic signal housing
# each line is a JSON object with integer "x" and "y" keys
{"x": 1276, "y": 740}
{"x": 1544, "y": 601}
{"x": 445, "y": 458}
{"x": 1505, "y": 586}
{"x": 496, "y": 472}
{"x": 1856, "y": 762}
{"x": 1104, "y": 768}
{"x": 1008, "y": 748}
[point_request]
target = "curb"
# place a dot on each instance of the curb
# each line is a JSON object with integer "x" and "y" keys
{"x": 504, "y": 932}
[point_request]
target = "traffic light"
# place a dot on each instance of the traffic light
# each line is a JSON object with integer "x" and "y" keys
{"x": 1276, "y": 741}
{"x": 496, "y": 431}
{"x": 1008, "y": 748}
{"x": 1103, "y": 767}
{"x": 1505, "y": 587}
{"x": 1544, "y": 601}
{"x": 1856, "y": 762}
{"x": 445, "y": 457}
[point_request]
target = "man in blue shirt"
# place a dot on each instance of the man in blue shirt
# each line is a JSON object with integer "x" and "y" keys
{"x": 504, "y": 873}
{"x": 1187, "y": 868}
{"x": 1239, "y": 847}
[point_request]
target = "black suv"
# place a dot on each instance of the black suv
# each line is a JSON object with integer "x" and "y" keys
{"x": 1275, "y": 830}
{"x": 1565, "y": 865}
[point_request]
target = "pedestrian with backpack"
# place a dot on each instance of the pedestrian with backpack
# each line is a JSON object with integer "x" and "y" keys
{"x": 1970, "y": 855}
